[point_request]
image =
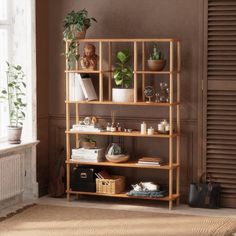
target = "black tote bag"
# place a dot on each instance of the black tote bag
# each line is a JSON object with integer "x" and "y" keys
{"x": 204, "y": 195}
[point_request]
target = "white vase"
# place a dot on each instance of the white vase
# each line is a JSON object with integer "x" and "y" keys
{"x": 14, "y": 134}
{"x": 122, "y": 95}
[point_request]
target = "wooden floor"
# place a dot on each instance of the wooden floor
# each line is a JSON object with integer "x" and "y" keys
{"x": 135, "y": 206}
{"x": 122, "y": 205}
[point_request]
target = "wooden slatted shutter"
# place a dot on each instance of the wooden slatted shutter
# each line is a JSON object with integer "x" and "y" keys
{"x": 220, "y": 97}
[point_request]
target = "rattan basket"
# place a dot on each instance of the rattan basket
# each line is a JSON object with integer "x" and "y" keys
{"x": 111, "y": 186}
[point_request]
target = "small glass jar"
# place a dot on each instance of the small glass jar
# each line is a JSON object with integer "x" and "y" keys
{"x": 108, "y": 127}
{"x": 113, "y": 127}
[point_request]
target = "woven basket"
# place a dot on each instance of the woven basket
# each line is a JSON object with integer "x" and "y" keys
{"x": 111, "y": 186}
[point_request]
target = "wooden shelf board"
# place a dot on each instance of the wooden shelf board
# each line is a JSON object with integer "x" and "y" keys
{"x": 84, "y": 71}
{"x": 155, "y": 72}
{"x": 131, "y": 134}
{"x": 161, "y": 104}
{"x": 126, "y": 164}
{"x": 111, "y": 71}
{"x": 123, "y": 195}
{"x": 129, "y": 40}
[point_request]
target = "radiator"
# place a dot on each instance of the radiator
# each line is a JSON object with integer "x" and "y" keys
{"x": 11, "y": 176}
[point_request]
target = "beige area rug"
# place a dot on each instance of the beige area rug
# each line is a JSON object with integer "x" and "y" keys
{"x": 44, "y": 220}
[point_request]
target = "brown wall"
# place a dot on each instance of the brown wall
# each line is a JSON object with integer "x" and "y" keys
{"x": 42, "y": 48}
{"x": 131, "y": 19}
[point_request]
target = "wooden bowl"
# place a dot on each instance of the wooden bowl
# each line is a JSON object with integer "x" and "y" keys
{"x": 117, "y": 158}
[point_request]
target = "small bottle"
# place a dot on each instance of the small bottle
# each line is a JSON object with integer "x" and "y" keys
{"x": 161, "y": 127}
{"x": 150, "y": 131}
{"x": 108, "y": 127}
{"x": 164, "y": 122}
{"x": 113, "y": 127}
{"x": 167, "y": 128}
{"x": 118, "y": 127}
{"x": 143, "y": 128}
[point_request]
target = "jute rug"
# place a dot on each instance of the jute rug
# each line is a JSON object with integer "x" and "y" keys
{"x": 41, "y": 220}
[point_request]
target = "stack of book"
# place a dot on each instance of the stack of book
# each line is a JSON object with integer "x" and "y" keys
{"x": 88, "y": 155}
{"x": 85, "y": 128}
{"x": 150, "y": 161}
{"x": 81, "y": 88}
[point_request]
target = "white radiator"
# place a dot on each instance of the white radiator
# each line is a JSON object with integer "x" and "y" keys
{"x": 11, "y": 176}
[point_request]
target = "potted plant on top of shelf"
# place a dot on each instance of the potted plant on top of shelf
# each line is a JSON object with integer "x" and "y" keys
{"x": 123, "y": 79}
{"x": 15, "y": 95}
{"x": 156, "y": 61}
{"x": 75, "y": 27}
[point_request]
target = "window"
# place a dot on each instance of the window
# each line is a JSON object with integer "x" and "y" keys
{"x": 4, "y": 56}
{"x": 17, "y": 45}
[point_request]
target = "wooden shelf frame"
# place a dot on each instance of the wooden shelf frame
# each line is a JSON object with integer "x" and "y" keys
{"x": 125, "y": 164}
{"x": 124, "y": 195}
{"x": 173, "y": 72}
{"x": 124, "y": 134}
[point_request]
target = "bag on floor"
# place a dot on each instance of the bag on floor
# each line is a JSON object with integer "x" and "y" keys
{"x": 204, "y": 194}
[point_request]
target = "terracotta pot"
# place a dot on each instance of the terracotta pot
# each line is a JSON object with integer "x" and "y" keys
{"x": 14, "y": 134}
{"x": 156, "y": 65}
{"x": 78, "y": 34}
{"x": 88, "y": 145}
{"x": 122, "y": 95}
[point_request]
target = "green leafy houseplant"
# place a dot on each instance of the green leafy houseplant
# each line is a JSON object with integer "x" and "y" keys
{"x": 123, "y": 73}
{"x": 14, "y": 94}
{"x": 75, "y": 25}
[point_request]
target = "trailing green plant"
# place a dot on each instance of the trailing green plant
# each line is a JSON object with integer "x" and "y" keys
{"x": 123, "y": 72}
{"x": 14, "y": 94}
{"x": 74, "y": 22}
{"x": 87, "y": 138}
{"x": 156, "y": 55}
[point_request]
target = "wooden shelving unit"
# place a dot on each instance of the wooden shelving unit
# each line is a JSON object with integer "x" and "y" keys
{"x": 173, "y": 72}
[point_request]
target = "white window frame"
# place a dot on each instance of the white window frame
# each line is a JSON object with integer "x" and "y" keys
{"x": 29, "y": 128}
{"x": 6, "y": 24}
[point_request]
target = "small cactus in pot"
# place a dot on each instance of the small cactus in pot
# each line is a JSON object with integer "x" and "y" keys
{"x": 156, "y": 61}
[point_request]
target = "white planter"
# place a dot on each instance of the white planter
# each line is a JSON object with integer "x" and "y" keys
{"x": 122, "y": 95}
{"x": 14, "y": 134}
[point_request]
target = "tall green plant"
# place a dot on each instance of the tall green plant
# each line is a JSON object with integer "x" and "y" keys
{"x": 74, "y": 22}
{"x": 15, "y": 95}
{"x": 123, "y": 72}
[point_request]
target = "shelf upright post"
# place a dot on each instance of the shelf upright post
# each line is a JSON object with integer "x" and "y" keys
{"x": 77, "y": 104}
{"x": 100, "y": 73}
{"x": 110, "y": 70}
{"x": 143, "y": 69}
{"x": 135, "y": 72}
{"x": 171, "y": 126}
{"x": 178, "y": 121}
{"x": 67, "y": 128}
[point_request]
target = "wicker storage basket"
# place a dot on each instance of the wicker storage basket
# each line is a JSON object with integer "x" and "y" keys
{"x": 111, "y": 186}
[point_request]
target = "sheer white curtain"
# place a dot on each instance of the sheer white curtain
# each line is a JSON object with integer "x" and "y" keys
{"x": 17, "y": 45}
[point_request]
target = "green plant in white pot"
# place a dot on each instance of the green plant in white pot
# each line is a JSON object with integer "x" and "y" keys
{"x": 123, "y": 78}
{"x": 15, "y": 95}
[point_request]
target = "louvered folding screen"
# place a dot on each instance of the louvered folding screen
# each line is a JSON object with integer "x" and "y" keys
{"x": 220, "y": 104}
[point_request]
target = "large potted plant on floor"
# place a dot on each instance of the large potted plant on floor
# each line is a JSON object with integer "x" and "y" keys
{"x": 123, "y": 79}
{"x": 75, "y": 26}
{"x": 14, "y": 94}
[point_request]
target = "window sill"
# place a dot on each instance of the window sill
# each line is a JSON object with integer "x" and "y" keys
{"x": 6, "y": 147}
